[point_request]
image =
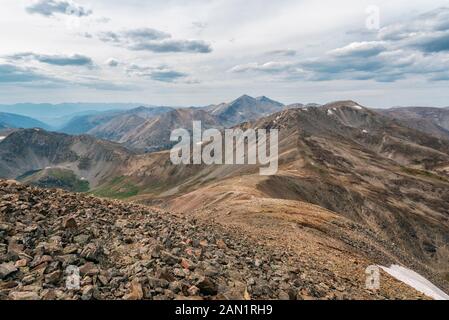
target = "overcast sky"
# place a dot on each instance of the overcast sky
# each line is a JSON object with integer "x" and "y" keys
{"x": 198, "y": 52}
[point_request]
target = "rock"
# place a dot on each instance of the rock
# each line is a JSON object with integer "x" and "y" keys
{"x": 169, "y": 258}
{"x": 211, "y": 271}
{"x": 136, "y": 292}
{"x": 24, "y": 295}
{"x": 221, "y": 244}
{"x": 29, "y": 279}
{"x": 53, "y": 277}
{"x": 157, "y": 283}
{"x": 21, "y": 263}
{"x": 186, "y": 264}
{"x": 89, "y": 269}
{"x": 193, "y": 291}
{"x": 283, "y": 295}
{"x": 91, "y": 252}
{"x": 87, "y": 292}
{"x": 156, "y": 251}
{"x": 70, "y": 223}
{"x": 238, "y": 291}
{"x": 81, "y": 239}
{"x": 104, "y": 280}
{"x": 207, "y": 286}
{"x": 6, "y": 269}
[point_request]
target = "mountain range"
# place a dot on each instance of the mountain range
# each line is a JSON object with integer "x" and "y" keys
{"x": 355, "y": 185}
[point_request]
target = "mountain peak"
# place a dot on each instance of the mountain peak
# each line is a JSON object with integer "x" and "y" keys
{"x": 244, "y": 97}
{"x": 342, "y": 104}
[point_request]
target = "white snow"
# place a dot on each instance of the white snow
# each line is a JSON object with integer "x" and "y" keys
{"x": 2, "y": 137}
{"x": 357, "y": 107}
{"x": 329, "y": 112}
{"x": 416, "y": 281}
{"x": 365, "y": 131}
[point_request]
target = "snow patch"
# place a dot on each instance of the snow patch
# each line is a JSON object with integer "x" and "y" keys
{"x": 356, "y": 107}
{"x": 329, "y": 112}
{"x": 365, "y": 131}
{"x": 2, "y": 138}
{"x": 416, "y": 281}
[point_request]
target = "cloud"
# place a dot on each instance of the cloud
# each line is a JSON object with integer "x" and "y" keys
{"x": 428, "y": 32}
{"x": 57, "y": 60}
{"x": 167, "y": 75}
{"x": 14, "y": 74}
{"x": 286, "y": 53}
{"x": 359, "y": 49}
{"x": 31, "y": 77}
{"x": 170, "y": 45}
{"x": 434, "y": 42}
{"x": 49, "y": 8}
{"x": 147, "y": 39}
{"x": 161, "y": 73}
{"x": 133, "y": 35}
{"x": 267, "y": 67}
{"x": 112, "y": 62}
{"x": 417, "y": 48}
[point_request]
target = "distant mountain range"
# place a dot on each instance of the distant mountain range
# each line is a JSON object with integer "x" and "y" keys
{"x": 9, "y": 120}
{"x": 148, "y": 128}
{"x": 56, "y": 115}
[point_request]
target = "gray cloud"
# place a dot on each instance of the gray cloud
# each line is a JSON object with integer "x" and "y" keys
{"x": 434, "y": 42}
{"x": 286, "y": 53}
{"x": 160, "y": 73}
{"x": 14, "y": 74}
{"x": 134, "y": 35}
{"x": 173, "y": 46}
{"x": 267, "y": 67}
{"x": 427, "y": 33}
{"x": 58, "y": 60}
{"x": 167, "y": 75}
{"x": 29, "y": 77}
{"x": 417, "y": 48}
{"x": 112, "y": 62}
{"x": 49, "y": 8}
{"x": 147, "y": 39}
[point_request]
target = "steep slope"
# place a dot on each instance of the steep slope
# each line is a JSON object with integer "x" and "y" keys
{"x": 127, "y": 251}
{"x": 387, "y": 178}
{"x": 244, "y": 108}
{"x": 10, "y": 120}
{"x": 24, "y": 151}
{"x": 434, "y": 121}
{"x": 121, "y": 124}
{"x": 154, "y": 133}
{"x": 83, "y": 123}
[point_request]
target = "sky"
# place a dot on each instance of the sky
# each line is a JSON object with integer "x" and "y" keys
{"x": 200, "y": 52}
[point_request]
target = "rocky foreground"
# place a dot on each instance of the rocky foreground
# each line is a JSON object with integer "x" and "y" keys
{"x": 129, "y": 251}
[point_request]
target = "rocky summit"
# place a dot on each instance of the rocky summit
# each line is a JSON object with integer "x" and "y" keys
{"x": 129, "y": 251}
